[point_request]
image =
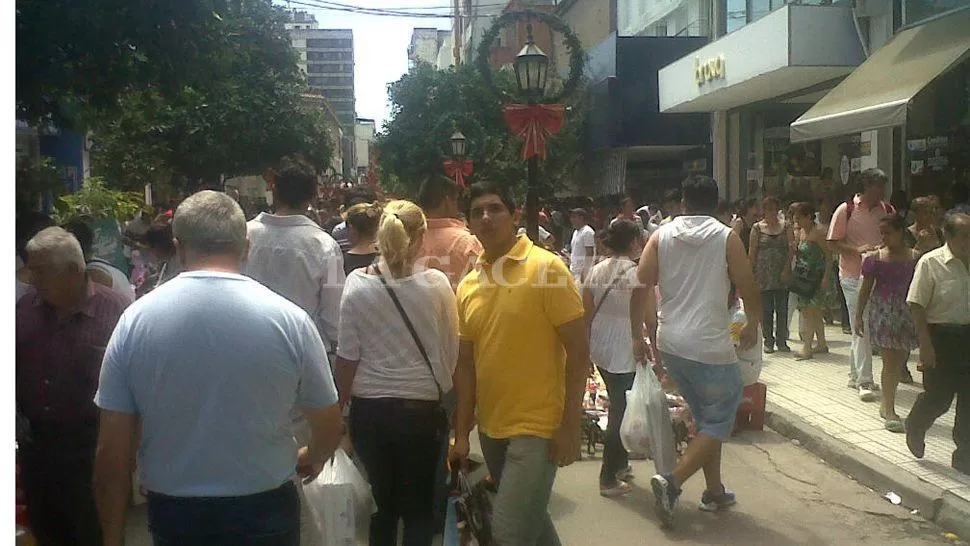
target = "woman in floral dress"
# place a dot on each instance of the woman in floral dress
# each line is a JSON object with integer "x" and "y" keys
{"x": 887, "y": 274}
{"x": 812, "y": 254}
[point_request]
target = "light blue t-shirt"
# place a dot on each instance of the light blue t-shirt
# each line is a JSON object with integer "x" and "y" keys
{"x": 213, "y": 363}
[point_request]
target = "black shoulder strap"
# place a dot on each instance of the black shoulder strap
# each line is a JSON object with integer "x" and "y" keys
{"x": 609, "y": 288}
{"x": 414, "y": 333}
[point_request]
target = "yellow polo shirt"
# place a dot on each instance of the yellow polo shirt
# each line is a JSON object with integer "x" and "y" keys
{"x": 510, "y": 308}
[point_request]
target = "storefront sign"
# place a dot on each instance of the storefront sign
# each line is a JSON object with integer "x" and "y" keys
{"x": 709, "y": 69}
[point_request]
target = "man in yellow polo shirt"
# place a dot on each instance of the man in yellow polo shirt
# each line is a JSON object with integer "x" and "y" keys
{"x": 522, "y": 364}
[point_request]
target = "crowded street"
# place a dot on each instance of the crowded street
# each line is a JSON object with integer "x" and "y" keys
{"x": 492, "y": 273}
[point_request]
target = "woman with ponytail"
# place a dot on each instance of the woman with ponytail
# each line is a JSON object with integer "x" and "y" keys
{"x": 396, "y": 353}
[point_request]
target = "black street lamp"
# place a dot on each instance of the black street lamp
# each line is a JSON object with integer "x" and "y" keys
{"x": 459, "y": 144}
{"x": 531, "y": 68}
{"x": 541, "y": 115}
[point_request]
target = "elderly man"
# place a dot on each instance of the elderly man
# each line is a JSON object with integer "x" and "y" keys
{"x": 939, "y": 299}
{"x": 63, "y": 325}
{"x": 211, "y": 364}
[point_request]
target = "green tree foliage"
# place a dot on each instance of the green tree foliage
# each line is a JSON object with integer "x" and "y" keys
{"x": 97, "y": 201}
{"x": 198, "y": 88}
{"x": 428, "y": 105}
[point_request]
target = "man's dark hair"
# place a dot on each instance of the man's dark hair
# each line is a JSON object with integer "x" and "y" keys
{"x": 700, "y": 194}
{"x": 803, "y": 208}
{"x": 296, "y": 182}
{"x": 873, "y": 176}
{"x": 83, "y": 233}
{"x": 357, "y": 196}
{"x": 626, "y": 200}
{"x": 490, "y": 188}
{"x": 26, "y": 226}
{"x": 894, "y": 221}
{"x": 434, "y": 190}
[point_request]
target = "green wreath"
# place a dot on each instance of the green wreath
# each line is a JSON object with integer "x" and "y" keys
{"x": 577, "y": 58}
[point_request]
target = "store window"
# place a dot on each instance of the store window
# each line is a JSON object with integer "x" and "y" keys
{"x": 915, "y": 11}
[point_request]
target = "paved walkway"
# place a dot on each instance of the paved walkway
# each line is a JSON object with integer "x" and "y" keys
{"x": 816, "y": 392}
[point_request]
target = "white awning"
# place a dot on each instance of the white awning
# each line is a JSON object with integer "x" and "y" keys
{"x": 878, "y": 93}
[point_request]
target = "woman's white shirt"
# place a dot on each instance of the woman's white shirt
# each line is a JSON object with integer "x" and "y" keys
{"x": 373, "y": 332}
{"x": 610, "y": 340}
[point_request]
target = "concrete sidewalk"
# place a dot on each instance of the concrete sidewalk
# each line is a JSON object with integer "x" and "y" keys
{"x": 809, "y": 401}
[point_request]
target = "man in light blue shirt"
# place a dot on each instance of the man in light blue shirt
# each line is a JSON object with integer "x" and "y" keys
{"x": 211, "y": 364}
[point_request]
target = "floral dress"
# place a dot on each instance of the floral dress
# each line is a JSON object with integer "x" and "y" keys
{"x": 890, "y": 324}
{"x": 811, "y": 256}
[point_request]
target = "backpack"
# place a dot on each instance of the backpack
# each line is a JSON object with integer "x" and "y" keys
{"x": 850, "y": 206}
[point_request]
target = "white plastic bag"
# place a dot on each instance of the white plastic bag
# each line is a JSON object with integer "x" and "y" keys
{"x": 750, "y": 360}
{"x": 339, "y": 497}
{"x": 634, "y": 429}
{"x": 646, "y": 426}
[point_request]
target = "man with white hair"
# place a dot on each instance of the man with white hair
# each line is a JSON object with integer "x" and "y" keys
{"x": 211, "y": 363}
{"x": 63, "y": 324}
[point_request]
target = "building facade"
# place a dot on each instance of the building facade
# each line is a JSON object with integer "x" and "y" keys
{"x": 364, "y": 133}
{"x": 803, "y": 96}
{"x": 426, "y": 44}
{"x": 326, "y": 56}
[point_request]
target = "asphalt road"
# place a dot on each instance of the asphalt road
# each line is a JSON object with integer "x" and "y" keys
{"x": 786, "y": 496}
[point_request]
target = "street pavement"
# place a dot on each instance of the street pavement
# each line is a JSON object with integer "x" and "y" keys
{"x": 815, "y": 393}
{"x": 786, "y": 496}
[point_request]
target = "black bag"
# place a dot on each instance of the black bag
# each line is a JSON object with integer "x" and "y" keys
{"x": 805, "y": 280}
{"x": 474, "y": 510}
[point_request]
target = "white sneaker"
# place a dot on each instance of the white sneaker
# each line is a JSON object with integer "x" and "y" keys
{"x": 866, "y": 394}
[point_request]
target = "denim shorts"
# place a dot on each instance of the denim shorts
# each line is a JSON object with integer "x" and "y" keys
{"x": 713, "y": 392}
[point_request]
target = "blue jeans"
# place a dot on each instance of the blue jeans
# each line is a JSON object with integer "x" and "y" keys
{"x": 525, "y": 476}
{"x": 861, "y": 365}
{"x": 270, "y": 518}
{"x": 712, "y": 391}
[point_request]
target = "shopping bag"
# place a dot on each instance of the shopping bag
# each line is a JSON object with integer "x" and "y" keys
{"x": 660, "y": 428}
{"x": 473, "y": 514}
{"x": 751, "y": 412}
{"x": 750, "y": 360}
{"x": 634, "y": 429}
{"x": 338, "y": 497}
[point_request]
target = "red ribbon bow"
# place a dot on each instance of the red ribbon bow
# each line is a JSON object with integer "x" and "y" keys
{"x": 458, "y": 170}
{"x": 534, "y": 122}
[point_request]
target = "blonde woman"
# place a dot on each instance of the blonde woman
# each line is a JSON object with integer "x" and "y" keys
{"x": 397, "y": 351}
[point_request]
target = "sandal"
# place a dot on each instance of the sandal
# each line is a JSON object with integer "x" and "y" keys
{"x": 895, "y": 425}
{"x": 821, "y": 349}
{"x": 799, "y": 356}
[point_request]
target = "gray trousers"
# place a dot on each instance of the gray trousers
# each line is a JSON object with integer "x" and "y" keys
{"x": 525, "y": 475}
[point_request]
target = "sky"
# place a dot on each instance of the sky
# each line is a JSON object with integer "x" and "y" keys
{"x": 380, "y": 45}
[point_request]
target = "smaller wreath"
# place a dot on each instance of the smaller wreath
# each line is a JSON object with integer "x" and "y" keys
{"x": 577, "y": 58}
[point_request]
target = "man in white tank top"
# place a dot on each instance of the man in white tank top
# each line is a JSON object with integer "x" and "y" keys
{"x": 693, "y": 259}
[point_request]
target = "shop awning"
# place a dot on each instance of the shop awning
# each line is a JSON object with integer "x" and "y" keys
{"x": 878, "y": 93}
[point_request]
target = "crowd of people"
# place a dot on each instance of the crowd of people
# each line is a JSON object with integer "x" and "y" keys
{"x": 252, "y": 350}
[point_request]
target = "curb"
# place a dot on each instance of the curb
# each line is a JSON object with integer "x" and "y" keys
{"x": 934, "y": 503}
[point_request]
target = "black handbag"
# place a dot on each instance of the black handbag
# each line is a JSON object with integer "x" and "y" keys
{"x": 805, "y": 280}
{"x": 474, "y": 510}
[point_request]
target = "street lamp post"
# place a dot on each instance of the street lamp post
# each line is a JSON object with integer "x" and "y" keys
{"x": 541, "y": 115}
{"x": 531, "y": 69}
{"x": 458, "y": 168}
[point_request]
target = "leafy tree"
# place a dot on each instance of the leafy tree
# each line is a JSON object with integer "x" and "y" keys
{"x": 428, "y": 105}
{"x": 189, "y": 88}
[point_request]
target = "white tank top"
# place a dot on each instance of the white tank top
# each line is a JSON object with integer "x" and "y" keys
{"x": 120, "y": 283}
{"x": 694, "y": 319}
